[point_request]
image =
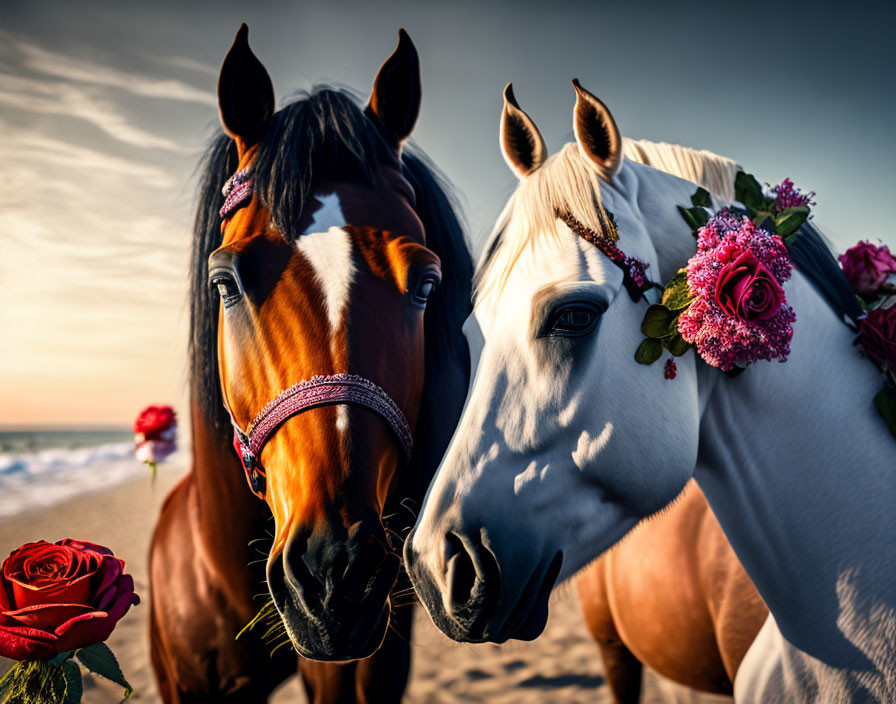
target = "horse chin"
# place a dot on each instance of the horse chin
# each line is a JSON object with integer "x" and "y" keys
{"x": 335, "y": 633}
{"x": 355, "y": 645}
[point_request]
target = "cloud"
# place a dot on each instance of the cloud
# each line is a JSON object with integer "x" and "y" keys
{"x": 187, "y": 63}
{"x": 71, "y": 69}
{"x": 57, "y": 98}
{"x": 29, "y": 147}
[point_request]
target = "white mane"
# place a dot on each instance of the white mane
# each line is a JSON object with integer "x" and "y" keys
{"x": 567, "y": 182}
{"x": 715, "y": 173}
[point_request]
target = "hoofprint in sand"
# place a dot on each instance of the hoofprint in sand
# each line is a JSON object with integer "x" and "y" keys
{"x": 563, "y": 665}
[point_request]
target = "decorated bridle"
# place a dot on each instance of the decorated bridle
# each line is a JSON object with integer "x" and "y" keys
{"x": 634, "y": 277}
{"x": 311, "y": 393}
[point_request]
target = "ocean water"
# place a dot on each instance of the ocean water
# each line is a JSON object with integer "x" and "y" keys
{"x": 40, "y": 467}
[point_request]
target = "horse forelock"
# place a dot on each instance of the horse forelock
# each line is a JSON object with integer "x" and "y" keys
{"x": 564, "y": 183}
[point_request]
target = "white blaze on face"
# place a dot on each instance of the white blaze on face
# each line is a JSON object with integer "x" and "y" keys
{"x": 328, "y": 248}
{"x": 330, "y": 253}
{"x": 342, "y": 418}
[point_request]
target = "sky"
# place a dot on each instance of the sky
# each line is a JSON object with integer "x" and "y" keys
{"x": 105, "y": 109}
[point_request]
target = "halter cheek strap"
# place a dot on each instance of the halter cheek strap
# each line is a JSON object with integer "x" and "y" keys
{"x": 312, "y": 393}
{"x": 634, "y": 275}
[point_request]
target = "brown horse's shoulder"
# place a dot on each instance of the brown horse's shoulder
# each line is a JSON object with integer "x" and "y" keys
{"x": 737, "y": 609}
{"x": 177, "y": 493}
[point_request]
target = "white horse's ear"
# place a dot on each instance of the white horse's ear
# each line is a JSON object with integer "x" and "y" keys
{"x": 596, "y": 132}
{"x": 521, "y": 142}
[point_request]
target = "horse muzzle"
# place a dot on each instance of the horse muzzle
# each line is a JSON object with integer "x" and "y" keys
{"x": 475, "y": 598}
{"x": 332, "y": 591}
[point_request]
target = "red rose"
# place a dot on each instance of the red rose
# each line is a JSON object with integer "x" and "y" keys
{"x": 56, "y": 597}
{"x": 867, "y": 267}
{"x": 877, "y": 334}
{"x": 153, "y": 421}
{"x": 746, "y": 289}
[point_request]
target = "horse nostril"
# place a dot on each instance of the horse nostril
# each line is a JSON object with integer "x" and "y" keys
{"x": 460, "y": 572}
{"x": 296, "y": 572}
{"x": 362, "y": 569}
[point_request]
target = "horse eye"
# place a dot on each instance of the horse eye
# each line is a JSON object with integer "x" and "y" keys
{"x": 424, "y": 289}
{"x": 571, "y": 321}
{"x": 227, "y": 289}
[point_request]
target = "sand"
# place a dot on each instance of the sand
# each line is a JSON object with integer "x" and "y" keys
{"x": 563, "y": 665}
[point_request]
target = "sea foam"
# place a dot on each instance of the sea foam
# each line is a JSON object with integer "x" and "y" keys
{"x": 30, "y": 481}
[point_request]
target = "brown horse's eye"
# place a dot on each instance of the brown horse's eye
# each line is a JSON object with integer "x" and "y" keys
{"x": 574, "y": 320}
{"x": 424, "y": 290}
{"x": 228, "y": 289}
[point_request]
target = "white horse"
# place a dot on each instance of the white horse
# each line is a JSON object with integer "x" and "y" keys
{"x": 566, "y": 442}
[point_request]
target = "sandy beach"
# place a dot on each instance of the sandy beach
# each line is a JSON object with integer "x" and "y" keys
{"x": 563, "y": 665}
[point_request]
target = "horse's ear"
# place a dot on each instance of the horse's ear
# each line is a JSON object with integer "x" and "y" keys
{"x": 596, "y": 132}
{"x": 395, "y": 99}
{"x": 245, "y": 93}
{"x": 521, "y": 143}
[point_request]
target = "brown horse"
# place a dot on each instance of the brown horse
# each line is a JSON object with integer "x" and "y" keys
{"x": 318, "y": 276}
{"x": 673, "y": 596}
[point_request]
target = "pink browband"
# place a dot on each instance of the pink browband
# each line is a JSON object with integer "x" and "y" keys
{"x": 312, "y": 393}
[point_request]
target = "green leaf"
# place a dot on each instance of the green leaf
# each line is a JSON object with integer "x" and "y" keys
{"x": 62, "y": 657}
{"x": 74, "y": 688}
{"x": 748, "y": 191}
{"x": 648, "y": 351}
{"x": 791, "y": 220}
{"x": 656, "y": 321}
{"x": 100, "y": 660}
{"x": 677, "y": 294}
{"x": 702, "y": 198}
{"x": 676, "y": 345}
{"x": 688, "y": 218}
{"x": 764, "y": 220}
{"x": 695, "y": 217}
{"x": 886, "y": 406}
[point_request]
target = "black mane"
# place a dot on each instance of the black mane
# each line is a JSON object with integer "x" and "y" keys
{"x": 813, "y": 256}
{"x": 322, "y": 134}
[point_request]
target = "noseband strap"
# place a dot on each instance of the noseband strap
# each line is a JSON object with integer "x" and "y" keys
{"x": 313, "y": 393}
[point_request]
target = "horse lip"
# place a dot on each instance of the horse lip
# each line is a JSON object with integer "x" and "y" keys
{"x": 302, "y": 617}
{"x": 370, "y": 645}
{"x": 525, "y": 609}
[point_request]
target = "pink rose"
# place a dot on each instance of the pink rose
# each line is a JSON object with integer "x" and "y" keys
{"x": 746, "y": 289}
{"x": 867, "y": 267}
{"x": 877, "y": 334}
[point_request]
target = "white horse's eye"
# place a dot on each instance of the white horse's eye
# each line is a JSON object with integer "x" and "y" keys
{"x": 571, "y": 321}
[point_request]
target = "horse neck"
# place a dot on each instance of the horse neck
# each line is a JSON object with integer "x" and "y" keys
{"x": 228, "y": 515}
{"x": 797, "y": 466}
{"x": 793, "y": 459}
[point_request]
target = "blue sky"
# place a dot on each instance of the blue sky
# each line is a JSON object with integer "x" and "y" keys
{"x": 105, "y": 107}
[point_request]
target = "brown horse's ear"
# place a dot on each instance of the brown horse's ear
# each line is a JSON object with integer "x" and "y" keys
{"x": 596, "y": 132}
{"x": 245, "y": 93}
{"x": 521, "y": 143}
{"x": 395, "y": 99}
